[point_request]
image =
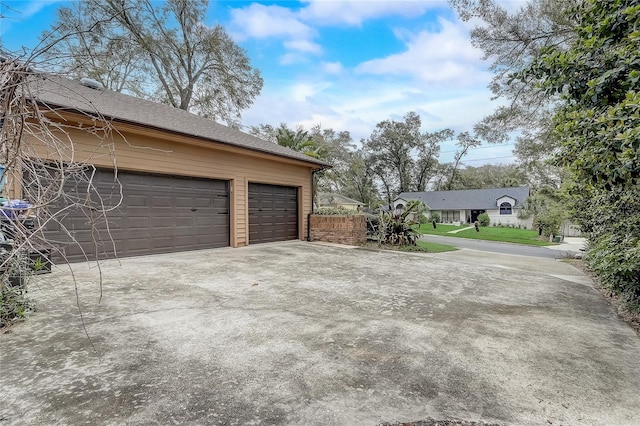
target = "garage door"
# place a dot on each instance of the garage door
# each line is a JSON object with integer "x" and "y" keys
{"x": 273, "y": 213}
{"x": 158, "y": 214}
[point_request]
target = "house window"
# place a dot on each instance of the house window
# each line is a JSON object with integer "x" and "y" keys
{"x": 449, "y": 216}
{"x": 505, "y": 208}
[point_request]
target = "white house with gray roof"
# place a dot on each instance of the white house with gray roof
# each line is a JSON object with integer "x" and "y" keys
{"x": 464, "y": 206}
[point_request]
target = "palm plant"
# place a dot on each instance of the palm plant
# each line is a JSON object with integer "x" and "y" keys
{"x": 300, "y": 140}
{"x": 396, "y": 227}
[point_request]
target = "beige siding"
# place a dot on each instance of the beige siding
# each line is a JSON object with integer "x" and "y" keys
{"x": 156, "y": 152}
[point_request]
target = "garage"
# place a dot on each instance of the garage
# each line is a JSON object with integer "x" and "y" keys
{"x": 158, "y": 214}
{"x": 273, "y": 213}
{"x": 245, "y": 190}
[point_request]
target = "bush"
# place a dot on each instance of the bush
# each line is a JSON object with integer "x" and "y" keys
{"x": 484, "y": 219}
{"x": 397, "y": 228}
{"x": 14, "y": 303}
{"x": 616, "y": 261}
{"x": 335, "y": 211}
{"x": 549, "y": 221}
{"x": 373, "y": 221}
{"x": 435, "y": 216}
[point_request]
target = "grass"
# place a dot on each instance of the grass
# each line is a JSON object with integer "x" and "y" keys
{"x": 429, "y": 247}
{"x": 490, "y": 233}
{"x": 421, "y": 247}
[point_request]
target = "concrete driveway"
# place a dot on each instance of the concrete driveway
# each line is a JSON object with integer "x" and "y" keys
{"x": 308, "y": 334}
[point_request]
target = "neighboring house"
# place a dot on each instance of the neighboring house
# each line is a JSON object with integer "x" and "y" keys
{"x": 464, "y": 206}
{"x": 188, "y": 182}
{"x": 332, "y": 199}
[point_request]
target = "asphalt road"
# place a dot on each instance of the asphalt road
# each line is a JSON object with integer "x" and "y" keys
{"x": 496, "y": 247}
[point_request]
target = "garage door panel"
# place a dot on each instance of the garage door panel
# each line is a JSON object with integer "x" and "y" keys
{"x": 273, "y": 213}
{"x": 137, "y": 200}
{"x": 201, "y": 202}
{"x": 161, "y": 201}
{"x": 158, "y": 214}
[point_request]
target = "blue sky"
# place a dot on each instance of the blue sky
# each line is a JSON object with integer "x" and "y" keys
{"x": 343, "y": 64}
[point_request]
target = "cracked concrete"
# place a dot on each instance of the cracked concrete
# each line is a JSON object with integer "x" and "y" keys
{"x": 300, "y": 333}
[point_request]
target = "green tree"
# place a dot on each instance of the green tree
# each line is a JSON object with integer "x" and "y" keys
{"x": 491, "y": 176}
{"x": 451, "y": 170}
{"x": 298, "y": 140}
{"x": 266, "y": 131}
{"x": 598, "y": 80}
{"x": 391, "y": 146}
{"x": 358, "y": 180}
{"x": 548, "y": 206}
{"x": 511, "y": 41}
{"x": 157, "y": 50}
{"x": 402, "y": 157}
{"x": 337, "y": 149}
{"x": 426, "y": 162}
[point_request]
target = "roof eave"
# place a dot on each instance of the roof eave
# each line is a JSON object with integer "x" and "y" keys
{"x": 318, "y": 164}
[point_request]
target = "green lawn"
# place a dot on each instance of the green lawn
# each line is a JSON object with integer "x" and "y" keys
{"x": 429, "y": 247}
{"x": 491, "y": 233}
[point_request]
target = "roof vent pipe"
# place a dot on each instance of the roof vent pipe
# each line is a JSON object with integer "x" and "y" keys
{"x": 91, "y": 83}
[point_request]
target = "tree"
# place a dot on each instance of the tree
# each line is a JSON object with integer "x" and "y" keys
{"x": 465, "y": 142}
{"x": 266, "y": 132}
{"x": 511, "y": 42}
{"x": 298, "y": 140}
{"x": 90, "y": 46}
{"x": 160, "y": 51}
{"x": 490, "y": 176}
{"x": 337, "y": 149}
{"x": 357, "y": 181}
{"x": 391, "y": 145}
{"x": 598, "y": 120}
{"x": 548, "y": 208}
{"x": 402, "y": 157}
{"x": 426, "y": 163}
{"x": 52, "y": 185}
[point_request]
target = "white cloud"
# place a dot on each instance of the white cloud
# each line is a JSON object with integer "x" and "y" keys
{"x": 357, "y": 105}
{"x": 303, "y": 46}
{"x": 304, "y": 91}
{"x": 512, "y": 6}
{"x": 444, "y": 57}
{"x": 290, "y": 105}
{"x": 332, "y": 67}
{"x": 297, "y": 27}
{"x": 260, "y": 21}
{"x": 354, "y": 12}
{"x": 437, "y": 73}
{"x": 292, "y": 58}
{"x": 34, "y": 7}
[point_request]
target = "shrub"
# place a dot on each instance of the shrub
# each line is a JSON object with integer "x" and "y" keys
{"x": 550, "y": 221}
{"x": 14, "y": 303}
{"x": 335, "y": 211}
{"x": 616, "y": 261}
{"x": 396, "y": 228}
{"x": 373, "y": 221}
{"x": 435, "y": 216}
{"x": 484, "y": 219}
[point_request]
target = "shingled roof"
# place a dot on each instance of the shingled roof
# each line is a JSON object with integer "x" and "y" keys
{"x": 467, "y": 199}
{"x": 60, "y": 92}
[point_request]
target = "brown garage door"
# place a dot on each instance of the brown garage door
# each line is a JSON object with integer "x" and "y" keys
{"x": 273, "y": 213}
{"x": 158, "y": 214}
